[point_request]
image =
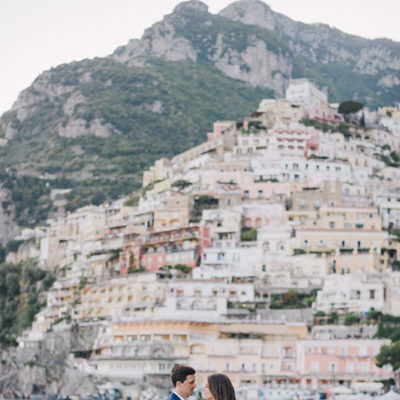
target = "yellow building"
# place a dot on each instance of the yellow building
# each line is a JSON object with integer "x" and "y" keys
{"x": 272, "y": 111}
{"x": 340, "y": 240}
{"x": 174, "y": 213}
{"x": 246, "y": 351}
{"x": 354, "y": 263}
{"x": 311, "y": 198}
{"x": 123, "y": 296}
{"x": 364, "y": 218}
{"x": 392, "y": 112}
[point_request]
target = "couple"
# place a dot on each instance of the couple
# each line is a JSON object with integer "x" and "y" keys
{"x": 218, "y": 386}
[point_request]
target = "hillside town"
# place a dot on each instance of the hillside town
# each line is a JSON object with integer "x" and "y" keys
{"x": 268, "y": 252}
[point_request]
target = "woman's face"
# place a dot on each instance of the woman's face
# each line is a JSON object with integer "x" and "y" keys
{"x": 206, "y": 393}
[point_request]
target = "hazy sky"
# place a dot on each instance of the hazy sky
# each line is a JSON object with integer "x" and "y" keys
{"x": 39, "y": 34}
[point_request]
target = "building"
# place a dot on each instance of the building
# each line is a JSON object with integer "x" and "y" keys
{"x": 326, "y": 363}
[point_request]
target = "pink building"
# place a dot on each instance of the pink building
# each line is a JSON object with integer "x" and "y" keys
{"x": 324, "y": 363}
{"x": 171, "y": 247}
{"x": 320, "y": 111}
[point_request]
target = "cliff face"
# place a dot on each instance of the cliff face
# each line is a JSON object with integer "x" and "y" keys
{"x": 8, "y": 226}
{"x": 46, "y": 367}
{"x": 320, "y": 42}
{"x": 267, "y": 56}
{"x": 191, "y": 33}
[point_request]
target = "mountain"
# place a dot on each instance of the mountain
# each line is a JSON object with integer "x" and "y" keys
{"x": 93, "y": 126}
{"x": 249, "y": 41}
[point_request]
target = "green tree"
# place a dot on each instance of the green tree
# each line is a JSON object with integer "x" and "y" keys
{"x": 350, "y": 107}
{"x": 333, "y": 318}
{"x": 181, "y": 184}
{"x": 248, "y": 234}
{"x": 362, "y": 121}
{"x": 390, "y": 355}
{"x": 351, "y": 319}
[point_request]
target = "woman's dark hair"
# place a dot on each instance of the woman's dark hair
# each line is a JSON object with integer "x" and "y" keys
{"x": 180, "y": 372}
{"x": 221, "y": 387}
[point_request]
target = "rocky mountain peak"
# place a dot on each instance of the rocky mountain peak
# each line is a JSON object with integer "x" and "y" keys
{"x": 191, "y": 5}
{"x": 250, "y": 12}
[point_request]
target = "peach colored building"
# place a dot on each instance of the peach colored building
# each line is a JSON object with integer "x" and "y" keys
{"x": 174, "y": 212}
{"x": 248, "y": 352}
{"x": 221, "y": 128}
{"x": 274, "y": 111}
{"x": 122, "y": 296}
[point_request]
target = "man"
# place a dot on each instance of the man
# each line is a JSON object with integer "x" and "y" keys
{"x": 184, "y": 382}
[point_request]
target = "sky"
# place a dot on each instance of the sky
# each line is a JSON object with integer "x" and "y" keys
{"x": 37, "y": 35}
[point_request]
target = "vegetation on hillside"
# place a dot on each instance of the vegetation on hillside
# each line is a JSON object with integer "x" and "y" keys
{"x": 191, "y": 98}
{"x": 21, "y": 288}
{"x": 292, "y": 299}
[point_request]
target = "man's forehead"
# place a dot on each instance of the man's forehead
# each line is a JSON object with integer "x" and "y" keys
{"x": 191, "y": 378}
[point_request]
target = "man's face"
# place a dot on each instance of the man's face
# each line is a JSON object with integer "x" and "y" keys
{"x": 187, "y": 387}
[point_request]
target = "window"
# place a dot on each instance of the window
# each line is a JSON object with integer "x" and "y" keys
{"x": 349, "y": 366}
{"x": 372, "y": 294}
{"x": 365, "y": 367}
{"x": 315, "y": 366}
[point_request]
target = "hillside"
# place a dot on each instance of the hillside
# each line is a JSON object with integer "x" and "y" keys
{"x": 94, "y": 125}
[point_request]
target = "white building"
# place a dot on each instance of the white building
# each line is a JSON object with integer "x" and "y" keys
{"x": 203, "y": 299}
{"x": 241, "y": 261}
{"x": 303, "y": 92}
{"x": 352, "y": 293}
{"x": 393, "y": 124}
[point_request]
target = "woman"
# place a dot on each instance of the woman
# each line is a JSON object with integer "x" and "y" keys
{"x": 218, "y": 387}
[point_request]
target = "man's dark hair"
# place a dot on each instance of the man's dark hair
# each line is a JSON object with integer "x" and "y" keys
{"x": 180, "y": 372}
